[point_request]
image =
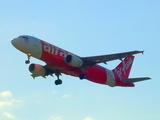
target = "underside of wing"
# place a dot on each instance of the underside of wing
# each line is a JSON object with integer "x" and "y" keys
{"x": 105, "y": 58}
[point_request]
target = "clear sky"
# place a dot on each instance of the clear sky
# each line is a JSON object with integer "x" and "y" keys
{"x": 86, "y": 28}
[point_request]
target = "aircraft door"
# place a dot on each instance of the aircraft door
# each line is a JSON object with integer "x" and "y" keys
{"x": 36, "y": 48}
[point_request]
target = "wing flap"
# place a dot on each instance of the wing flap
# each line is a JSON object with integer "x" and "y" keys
{"x": 132, "y": 80}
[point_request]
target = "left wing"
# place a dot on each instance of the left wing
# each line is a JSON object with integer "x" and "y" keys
{"x": 90, "y": 61}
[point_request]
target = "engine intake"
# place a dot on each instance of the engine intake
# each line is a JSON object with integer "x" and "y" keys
{"x": 74, "y": 61}
{"x": 37, "y": 70}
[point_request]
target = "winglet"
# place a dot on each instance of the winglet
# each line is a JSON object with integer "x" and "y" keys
{"x": 142, "y": 52}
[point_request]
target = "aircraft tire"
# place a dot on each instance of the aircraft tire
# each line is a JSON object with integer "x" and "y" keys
{"x": 82, "y": 76}
{"x": 27, "y": 61}
{"x": 58, "y": 82}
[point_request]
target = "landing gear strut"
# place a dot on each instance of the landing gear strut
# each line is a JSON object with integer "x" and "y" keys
{"x": 29, "y": 56}
{"x": 58, "y": 81}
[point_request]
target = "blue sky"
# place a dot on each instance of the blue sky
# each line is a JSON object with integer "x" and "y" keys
{"x": 85, "y": 28}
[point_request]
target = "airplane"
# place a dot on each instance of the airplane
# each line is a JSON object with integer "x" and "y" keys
{"x": 60, "y": 61}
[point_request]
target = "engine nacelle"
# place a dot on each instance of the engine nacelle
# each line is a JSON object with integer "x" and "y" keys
{"x": 37, "y": 70}
{"x": 74, "y": 61}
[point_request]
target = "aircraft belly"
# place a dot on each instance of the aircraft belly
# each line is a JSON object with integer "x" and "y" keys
{"x": 96, "y": 74}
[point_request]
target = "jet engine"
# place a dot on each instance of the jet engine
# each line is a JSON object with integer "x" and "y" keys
{"x": 37, "y": 70}
{"x": 74, "y": 61}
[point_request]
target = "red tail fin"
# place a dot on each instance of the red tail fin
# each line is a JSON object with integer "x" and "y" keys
{"x": 123, "y": 69}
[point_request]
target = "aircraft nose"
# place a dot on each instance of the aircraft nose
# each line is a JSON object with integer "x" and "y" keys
{"x": 15, "y": 42}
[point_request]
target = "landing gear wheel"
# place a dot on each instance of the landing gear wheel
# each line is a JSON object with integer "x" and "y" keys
{"x": 27, "y": 61}
{"x": 82, "y": 76}
{"x": 58, "y": 82}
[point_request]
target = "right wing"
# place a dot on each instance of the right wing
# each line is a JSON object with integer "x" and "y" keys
{"x": 90, "y": 61}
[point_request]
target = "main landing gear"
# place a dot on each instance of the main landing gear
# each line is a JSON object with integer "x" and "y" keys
{"x": 58, "y": 81}
{"x": 82, "y": 76}
{"x": 29, "y": 56}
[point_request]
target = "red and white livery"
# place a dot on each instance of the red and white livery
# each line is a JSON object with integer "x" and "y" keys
{"x": 61, "y": 61}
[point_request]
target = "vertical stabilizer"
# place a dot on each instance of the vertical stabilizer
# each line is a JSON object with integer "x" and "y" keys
{"x": 123, "y": 69}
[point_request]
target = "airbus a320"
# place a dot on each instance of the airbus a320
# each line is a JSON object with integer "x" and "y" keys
{"x": 60, "y": 61}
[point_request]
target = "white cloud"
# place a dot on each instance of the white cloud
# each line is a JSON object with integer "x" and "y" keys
{"x": 54, "y": 92}
{"x": 55, "y": 118}
{"x": 7, "y": 101}
{"x": 66, "y": 96}
{"x": 2, "y": 104}
{"x": 12, "y": 102}
{"x": 6, "y": 94}
{"x": 8, "y": 115}
{"x": 88, "y": 118}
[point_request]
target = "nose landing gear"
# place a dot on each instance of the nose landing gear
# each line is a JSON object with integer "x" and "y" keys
{"x": 29, "y": 56}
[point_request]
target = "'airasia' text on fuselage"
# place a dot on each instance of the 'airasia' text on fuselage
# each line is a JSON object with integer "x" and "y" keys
{"x": 54, "y": 50}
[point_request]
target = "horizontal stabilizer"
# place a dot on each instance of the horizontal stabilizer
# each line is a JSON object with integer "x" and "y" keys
{"x": 132, "y": 80}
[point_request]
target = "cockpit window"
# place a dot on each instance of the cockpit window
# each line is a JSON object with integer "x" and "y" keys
{"x": 25, "y": 37}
